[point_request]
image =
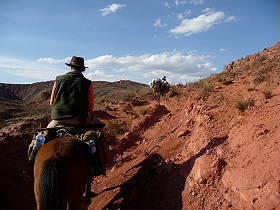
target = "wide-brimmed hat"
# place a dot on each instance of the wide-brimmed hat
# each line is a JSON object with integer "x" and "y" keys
{"x": 77, "y": 62}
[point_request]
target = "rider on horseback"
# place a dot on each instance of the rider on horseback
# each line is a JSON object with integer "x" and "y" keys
{"x": 160, "y": 87}
{"x": 72, "y": 96}
{"x": 72, "y": 101}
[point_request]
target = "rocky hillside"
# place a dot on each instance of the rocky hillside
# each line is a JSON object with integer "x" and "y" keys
{"x": 213, "y": 144}
{"x": 209, "y": 145}
{"x": 16, "y": 100}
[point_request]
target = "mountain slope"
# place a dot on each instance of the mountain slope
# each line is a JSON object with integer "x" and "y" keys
{"x": 204, "y": 148}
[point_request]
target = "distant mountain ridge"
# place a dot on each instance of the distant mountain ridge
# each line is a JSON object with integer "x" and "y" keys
{"x": 35, "y": 91}
{"x": 18, "y": 101}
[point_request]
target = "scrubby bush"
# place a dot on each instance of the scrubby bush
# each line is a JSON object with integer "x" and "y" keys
{"x": 259, "y": 60}
{"x": 116, "y": 128}
{"x": 261, "y": 75}
{"x": 206, "y": 87}
{"x": 243, "y": 104}
{"x": 267, "y": 94}
{"x": 259, "y": 79}
{"x": 128, "y": 97}
{"x": 252, "y": 87}
{"x": 176, "y": 91}
{"x": 227, "y": 82}
{"x": 225, "y": 77}
{"x": 144, "y": 111}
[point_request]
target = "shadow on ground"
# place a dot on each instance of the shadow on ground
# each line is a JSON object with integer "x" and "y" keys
{"x": 157, "y": 185}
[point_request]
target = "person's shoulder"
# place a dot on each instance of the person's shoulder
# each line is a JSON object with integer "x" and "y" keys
{"x": 60, "y": 77}
{"x": 88, "y": 80}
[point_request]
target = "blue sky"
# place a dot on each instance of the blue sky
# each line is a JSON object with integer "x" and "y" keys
{"x": 130, "y": 39}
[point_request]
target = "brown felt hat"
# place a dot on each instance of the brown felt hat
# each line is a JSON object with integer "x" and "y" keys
{"x": 77, "y": 62}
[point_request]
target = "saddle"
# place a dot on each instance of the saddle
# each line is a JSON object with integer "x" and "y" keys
{"x": 91, "y": 135}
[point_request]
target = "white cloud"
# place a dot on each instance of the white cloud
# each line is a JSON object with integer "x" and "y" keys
{"x": 207, "y": 10}
{"x": 222, "y": 50}
{"x": 52, "y": 60}
{"x": 158, "y": 23}
{"x": 167, "y": 5}
{"x": 111, "y": 9}
{"x": 101, "y": 75}
{"x": 177, "y": 66}
{"x": 196, "y": 2}
{"x": 29, "y": 69}
{"x": 180, "y": 2}
{"x": 181, "y": 16}
{"x": 202, "y": 23}
{"x": 231, "y": 18}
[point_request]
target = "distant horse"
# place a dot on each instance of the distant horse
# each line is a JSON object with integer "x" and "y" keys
{"x": 61, "y": 173}
{"x": 160, "y": 89}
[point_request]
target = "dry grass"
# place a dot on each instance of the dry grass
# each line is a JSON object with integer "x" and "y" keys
{"x": 128, "y": 97}
{"x": 206, "y": 87}
{"x": 259, "y": 60}
{"x": 267, "y": 94}
{"x": 226, "y": 78}
{"x": 176, "y": 91}
{"x": 144, "y": 111}
{"x": 252, "y": 87}
{"x": 116, "y": 128}
{"x": 261, "y": 75}
{"x": 243, "y": 104}
{"x": 259, "y": 79}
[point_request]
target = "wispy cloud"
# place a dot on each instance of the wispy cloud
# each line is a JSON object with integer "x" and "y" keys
{"x": 52, "y": 60}
{"x": 222, "y": 50}
{"x": 30, "y": 69}
{"x": 231, "y": 18}
{"x": 196, "y": 2}
{"x": 181, "y": 16}
{"x": 158, "y": 23}
{"x": 180, "y": 2}
{"x": 202, "y": 23}
{"x": 111, "y": 9}
{"x": 166, "y": 4}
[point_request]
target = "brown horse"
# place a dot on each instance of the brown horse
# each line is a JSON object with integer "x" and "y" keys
{"x": 61, "y": 173}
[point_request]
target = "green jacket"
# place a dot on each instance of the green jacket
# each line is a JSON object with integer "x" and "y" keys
{"x": 71, "y": 97}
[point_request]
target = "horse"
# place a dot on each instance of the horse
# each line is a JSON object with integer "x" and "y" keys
{"x": 62, "y": 171}
{"x": 159, "y": 89}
